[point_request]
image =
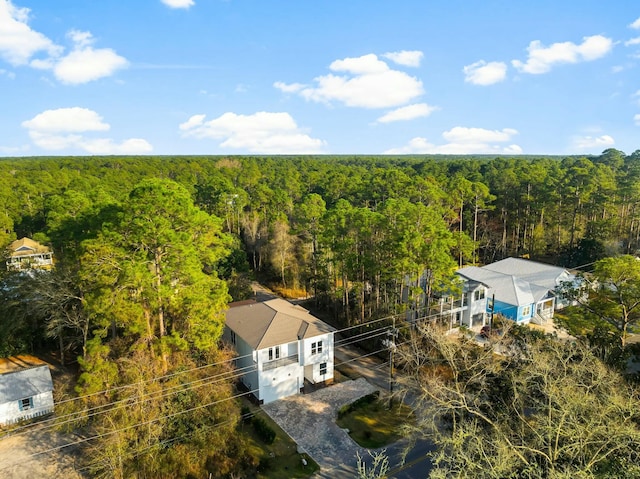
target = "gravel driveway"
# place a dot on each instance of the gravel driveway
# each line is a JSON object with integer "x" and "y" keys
{"x": 310, "y": 421}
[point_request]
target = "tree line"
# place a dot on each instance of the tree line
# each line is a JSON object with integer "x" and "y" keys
{"x": 348, "y": 229}
{"x": 149, "y": 251}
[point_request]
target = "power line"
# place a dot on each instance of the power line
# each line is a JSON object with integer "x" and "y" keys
{"x": 145, "y": 423}
{"x": 131, "y": 401}
{"x": 158, "y": 378}
{"x": 363, "y": 336}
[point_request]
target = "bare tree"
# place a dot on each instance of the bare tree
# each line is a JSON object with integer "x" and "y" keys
{"x": 541, "y": 409}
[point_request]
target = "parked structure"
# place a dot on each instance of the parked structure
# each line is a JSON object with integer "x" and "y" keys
{"x": 27, "y": 254}
{"x": 280, "y": 347}
{"x": 519, "y": 289}
{"x": 26, "y": 389}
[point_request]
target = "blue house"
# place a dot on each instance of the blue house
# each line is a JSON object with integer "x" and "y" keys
{"x": 521, "y": 290}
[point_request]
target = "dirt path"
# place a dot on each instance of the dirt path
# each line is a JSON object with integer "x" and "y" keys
{"x": 21, "y": 456}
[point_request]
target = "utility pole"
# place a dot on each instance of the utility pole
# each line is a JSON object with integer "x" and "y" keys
{"x": 392, "y": 346}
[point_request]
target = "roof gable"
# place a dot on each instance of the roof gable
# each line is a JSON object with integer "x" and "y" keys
{"x": 25, "y": 246}
{"x": 273, "y": 322}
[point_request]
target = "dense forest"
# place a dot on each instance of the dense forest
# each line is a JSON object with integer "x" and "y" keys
{"x": 348, "y": 229}
{"x": 149, "y": 251}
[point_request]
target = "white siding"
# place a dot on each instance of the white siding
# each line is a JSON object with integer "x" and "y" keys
{"x": 246, "y": 365}
{"x": 280, "y": 382}
{"x": 10, "y": 411}
{"x": 282, "y": 376}
{"x": 314, "y": 360}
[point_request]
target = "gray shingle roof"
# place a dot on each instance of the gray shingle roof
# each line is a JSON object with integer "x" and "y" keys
{"x": 516, "y": 281}
{"x": 273, "y": 322}
{"x": 25, "y": 383}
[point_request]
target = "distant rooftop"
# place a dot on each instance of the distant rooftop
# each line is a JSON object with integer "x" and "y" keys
{"x": 27, "y": 246}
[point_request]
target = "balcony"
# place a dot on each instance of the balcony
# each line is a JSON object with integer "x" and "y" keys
{"x": 278, "y": 363}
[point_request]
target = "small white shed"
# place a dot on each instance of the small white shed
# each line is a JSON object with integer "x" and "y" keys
{"x": 26, "y": 390}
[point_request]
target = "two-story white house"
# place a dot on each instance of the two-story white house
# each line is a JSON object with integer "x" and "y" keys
{"x": 26, "y": 389}
{"x": 280, "y": 346}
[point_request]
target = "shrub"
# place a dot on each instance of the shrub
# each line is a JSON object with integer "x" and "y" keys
{"x": 364, "y": 400}
{"x": 264, "y": 431}
{"x": 245, "y": 413}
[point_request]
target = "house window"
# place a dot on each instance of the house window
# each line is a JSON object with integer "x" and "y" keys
{"x": 233, "y": 337}
{"x": 478, "y": 295}
{"x": 323, "y": 369}
{"x": 316, "y": 348}
{"x": 526, "y": 311}
{"x": 274, "y": 353}
{"x": 25, "y": 404}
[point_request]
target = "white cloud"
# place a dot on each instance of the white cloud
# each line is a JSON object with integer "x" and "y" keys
{"x": 84, "y": 63}
{"x": 636, "y": 118}
{"x": 633, "y": 41}
{"x": 483, "y": 73}
{"x": 462, "y": 140}
{"x": 542, "y": 58}
{"x": 408, "y": 58}
{"x": 592, "y": 142}
{"x": 178, "y": 3}
{"x": 193, "y": 122}
{"x": 368, "y": 82}
{"x": 409, "y": 112}
{"x": 18, "y": 42}
{"x": 19, "y": 45}
{"x": 262, "y": 132}
{"x": 635, "y": 25}
{"x": 460, "y": 134}
{"x": 66, "y": 128}
{"x": 74, "y": 119}
{"x": 364, "y": 65}
{"x": 289, "y": 88}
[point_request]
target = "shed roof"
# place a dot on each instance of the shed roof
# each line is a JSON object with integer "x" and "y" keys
{"x": 25, "y": 383}
{"x": 274, "y": 322}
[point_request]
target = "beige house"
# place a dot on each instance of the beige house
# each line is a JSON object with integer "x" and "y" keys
{"x": 280, "y": 346}
{"x": 27, "y": 254}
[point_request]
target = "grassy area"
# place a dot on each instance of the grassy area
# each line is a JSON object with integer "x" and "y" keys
{"x": 579, "y": 322}
{"x": 279, "y": 460}
{"x": 375, "y": 425}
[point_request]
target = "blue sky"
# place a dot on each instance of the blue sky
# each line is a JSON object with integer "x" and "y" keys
{"x": 173, "y": 77}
